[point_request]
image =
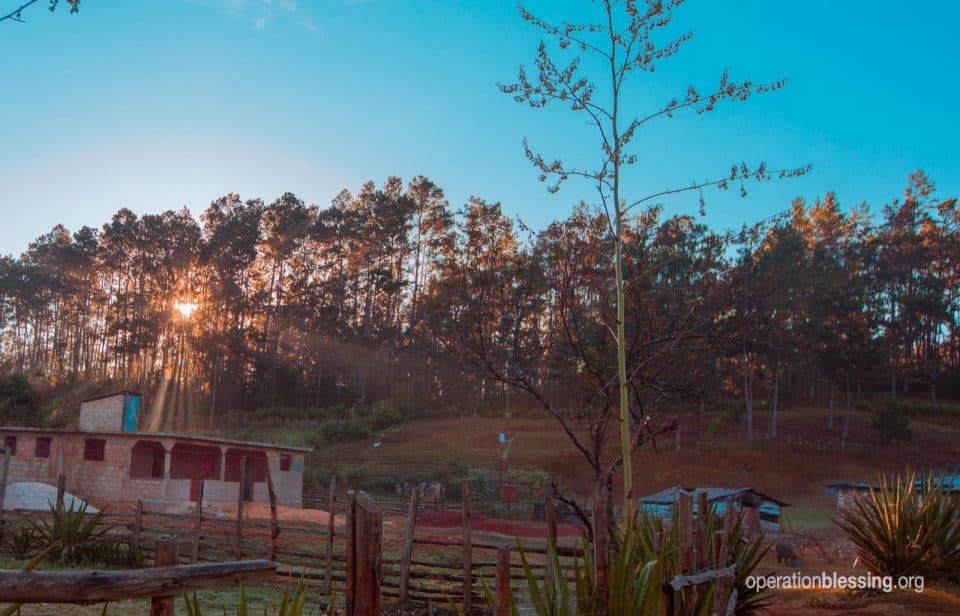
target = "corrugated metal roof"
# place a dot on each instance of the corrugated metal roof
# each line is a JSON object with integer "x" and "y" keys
{"x": 669, "y": 496}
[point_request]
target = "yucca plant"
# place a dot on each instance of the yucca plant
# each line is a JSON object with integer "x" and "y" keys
{"x": 648, "y": 555}
{"x": 71, "y": 530}
{"x": 905, "y": 527}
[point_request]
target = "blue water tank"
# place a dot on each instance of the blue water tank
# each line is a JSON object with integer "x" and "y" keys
{"x": 131, "y": 410}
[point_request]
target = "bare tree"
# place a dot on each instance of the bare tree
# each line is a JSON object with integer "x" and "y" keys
{"x": 17, "y": 13}
{"x": 622, "y": 40}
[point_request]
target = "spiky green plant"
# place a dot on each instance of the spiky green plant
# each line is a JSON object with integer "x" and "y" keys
{"x": 647, "y": 557}
{"x": 22, "y": 541}
{"x": 291, "y": 604}
{"x": 71, "y": 530}
{"x": 901, "y": 528}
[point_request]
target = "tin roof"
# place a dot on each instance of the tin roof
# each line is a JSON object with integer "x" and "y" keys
{"x": 669, "y": 496}
{"x": 122, "y": 392}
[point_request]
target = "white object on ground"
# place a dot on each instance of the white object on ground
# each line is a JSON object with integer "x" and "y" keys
{"x": 36, "y": 496}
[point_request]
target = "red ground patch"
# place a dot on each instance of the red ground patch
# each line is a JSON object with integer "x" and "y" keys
{"x": 478, "y": 523}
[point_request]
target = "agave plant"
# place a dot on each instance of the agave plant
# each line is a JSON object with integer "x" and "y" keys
{"x": 905, "y": 527}
{"x": 71, "y": 530}
{"x": 648, "y": 555}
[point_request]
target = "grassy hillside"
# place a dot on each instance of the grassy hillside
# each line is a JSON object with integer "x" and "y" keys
{"x": 710, "y": 451}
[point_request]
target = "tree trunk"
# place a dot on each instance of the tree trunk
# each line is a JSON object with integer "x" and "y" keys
{"x": 774, "y": 401}
{"x": 748, "y": 392}
{"x": 830, "y": 404}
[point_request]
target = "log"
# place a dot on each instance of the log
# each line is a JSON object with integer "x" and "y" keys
{"x": 164, "y": 555}
{"x": 103, "y": 586}
{"x": 679, "y": 582}
{"x": 407, "y": 553}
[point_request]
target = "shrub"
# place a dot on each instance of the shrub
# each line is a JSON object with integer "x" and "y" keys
{"x": 380, "y": 415}
{"x": 903, "y": 528}
{"x": 21, "y": 542}
{"x": 892, "y": 424}
{"x": 335, "y": 431}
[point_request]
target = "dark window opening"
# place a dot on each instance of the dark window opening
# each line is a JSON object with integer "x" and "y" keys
{"x": 284, "y": 462}
{"x": 146, "y": 460}
{"x": 194, "y": 462}
{"x": 256, "y": 465}
{"x": 10, "y": 444}
{"x": 94, "y": 449}
{"x": 42, "y": 448}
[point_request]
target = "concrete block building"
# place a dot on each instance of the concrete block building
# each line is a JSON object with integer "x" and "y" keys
{"x": 106, "y": 461}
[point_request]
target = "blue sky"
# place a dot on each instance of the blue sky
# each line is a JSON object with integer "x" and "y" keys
{"x": 156, "y": 105}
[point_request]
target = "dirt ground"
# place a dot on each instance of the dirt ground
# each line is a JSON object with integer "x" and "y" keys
{"x": 824, "y": 603}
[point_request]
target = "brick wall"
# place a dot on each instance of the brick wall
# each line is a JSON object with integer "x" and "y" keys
{"x": 102, "y": 415}
{"x": 107, "y": 482}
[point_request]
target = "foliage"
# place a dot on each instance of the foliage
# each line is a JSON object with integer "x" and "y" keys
{"x": 19, "y": 401}
{"x": 343, "y": 430}
{"x": 648, "y": 555}
{"x": 902, "y": 528}
{"x": 21, "y": 541}
{"x": 892, "y": 424}
{"x": 291, "y": 604}
{"x": 72, "y": 532}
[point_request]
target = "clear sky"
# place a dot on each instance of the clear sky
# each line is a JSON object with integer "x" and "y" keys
{"x": 156, "y": 105}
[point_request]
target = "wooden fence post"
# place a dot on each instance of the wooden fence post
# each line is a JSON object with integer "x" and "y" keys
{"x": 61, "y": 488}
{"x": 137, "y": 526}
{"x": 551, "y": 518}
{"x": 164, "y": 555}
{"x": 274, "y": 526}
{"x": 3, "y": 481}
{"x": 467, "y": 552}
{"x": 243, "y": 480}
{"x": 601, "y": 543}
{"x": 503, "y": 580}
{"x": 364, "y": 552}
{"x": 684, "y": 507}
{"x": 195, "y": 548}
{"x": 701, "y": 543}
{"x": 408, "y": 546}
{"x": 332, "y": 510}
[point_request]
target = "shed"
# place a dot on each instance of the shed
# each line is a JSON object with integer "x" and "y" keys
{"x": 115, "y": 412}
{"x": 759, "y": 509}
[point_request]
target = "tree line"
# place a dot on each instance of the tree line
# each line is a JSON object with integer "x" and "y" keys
{"x": 390, "y": 293}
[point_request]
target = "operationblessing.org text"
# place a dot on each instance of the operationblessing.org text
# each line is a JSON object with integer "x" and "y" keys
{"x": 836, "y": 581}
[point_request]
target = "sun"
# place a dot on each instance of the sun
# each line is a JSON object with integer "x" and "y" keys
{"x": 185, "y": 308}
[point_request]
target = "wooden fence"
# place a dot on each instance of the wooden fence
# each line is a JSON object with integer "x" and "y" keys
{"x": 352, "y": 559}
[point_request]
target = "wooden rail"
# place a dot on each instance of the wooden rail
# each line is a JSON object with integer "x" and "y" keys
{"x": 103, "y": 586}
